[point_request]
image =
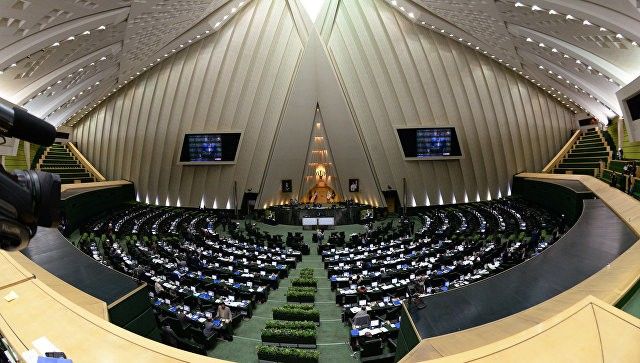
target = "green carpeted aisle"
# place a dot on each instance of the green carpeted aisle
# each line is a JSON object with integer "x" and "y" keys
{"x": 632, "y": 303}
{"x": 333, "y": 335}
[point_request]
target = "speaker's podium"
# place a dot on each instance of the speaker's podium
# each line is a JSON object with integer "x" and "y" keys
{"x": 318, "y": 222}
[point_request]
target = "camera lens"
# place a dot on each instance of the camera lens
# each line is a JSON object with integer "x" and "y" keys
{"x": 45, "y": 193}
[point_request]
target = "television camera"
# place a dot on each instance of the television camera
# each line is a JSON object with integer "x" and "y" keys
{"x": 28, "y": 198}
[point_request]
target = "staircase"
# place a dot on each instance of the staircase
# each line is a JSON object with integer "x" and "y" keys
{"x": 585, "y": 156}
{"x": 57, "y": 159}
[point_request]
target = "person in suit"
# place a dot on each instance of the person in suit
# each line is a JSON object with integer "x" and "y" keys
{"x": 362, "y": 318}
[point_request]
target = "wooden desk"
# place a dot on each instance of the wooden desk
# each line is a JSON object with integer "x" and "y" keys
{"x": 40, "y": 311}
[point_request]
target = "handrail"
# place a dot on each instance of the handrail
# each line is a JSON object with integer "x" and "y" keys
{"x": 85, "y": 162}
{"x": 556, "y": 160}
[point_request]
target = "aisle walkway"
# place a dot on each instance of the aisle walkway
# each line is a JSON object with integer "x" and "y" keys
{"x": 332, "y": 333}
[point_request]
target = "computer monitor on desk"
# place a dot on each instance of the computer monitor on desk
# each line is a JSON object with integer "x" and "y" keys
{"x": 375, "y": 323}
{"x": 362, "y": 302}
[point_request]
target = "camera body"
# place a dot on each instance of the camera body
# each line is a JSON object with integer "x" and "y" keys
{"x": 28, "y": 198}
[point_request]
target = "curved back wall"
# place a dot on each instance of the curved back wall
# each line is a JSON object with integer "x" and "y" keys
{"x": 397, "y": 73}
{"x": 235, "y": 79}
{"x": 391, "y": 73}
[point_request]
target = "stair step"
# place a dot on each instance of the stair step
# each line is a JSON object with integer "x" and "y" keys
{"x": 79, "y": 175}
{"x": 59, "y": 162}
{"x": 73, "y": 180}
{"x": 580, "y": 171}
{"x": 564, "y": 164}
{"x": 590, "y": 148}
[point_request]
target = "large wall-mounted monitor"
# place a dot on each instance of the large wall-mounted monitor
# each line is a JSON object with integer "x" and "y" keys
{"x": 429, "y": 143}
{"x": 211, "y": 148}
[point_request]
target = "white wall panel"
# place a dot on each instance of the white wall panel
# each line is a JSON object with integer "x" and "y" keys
{"x": 396, "y": 73}
{"x": 237, "y": 78}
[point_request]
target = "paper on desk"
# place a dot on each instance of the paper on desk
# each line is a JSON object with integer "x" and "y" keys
{"x": 11, "y": 296}
{"x": 44, "y": 345}
{"x": 30, "y": 356}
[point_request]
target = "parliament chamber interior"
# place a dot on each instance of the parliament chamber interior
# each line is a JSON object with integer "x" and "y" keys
{"x": 310, "y": 181}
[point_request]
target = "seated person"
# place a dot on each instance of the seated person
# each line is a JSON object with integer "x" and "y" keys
{"x": 182, "y": 318}
{"x": 209, "y": 328}
{"x": 362, "y": 318}
{"x": 361, "y": 289}
{"x": 158, "y": 288}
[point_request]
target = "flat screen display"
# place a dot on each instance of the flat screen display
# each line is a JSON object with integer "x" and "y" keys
{"x": 634, "y": 107}
{"x": 429, "y": 143}
{"x": 210, "y": 148}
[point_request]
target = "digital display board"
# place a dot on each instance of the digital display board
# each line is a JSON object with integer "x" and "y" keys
{"x": 429, "y": 143}
{"x": 210, "y": 148}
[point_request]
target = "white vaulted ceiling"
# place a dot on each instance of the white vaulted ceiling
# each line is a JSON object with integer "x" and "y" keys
{"x": 59, "y": 58}
{"x": 582, "y": 52}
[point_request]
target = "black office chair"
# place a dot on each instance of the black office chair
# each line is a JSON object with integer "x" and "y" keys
{"x": 207, "y": 342}
{"x": 374, "y": 295}
{"x": 393, "y": 315}
{"x": 350, "y": 299}
{"x": 371, "y": 347}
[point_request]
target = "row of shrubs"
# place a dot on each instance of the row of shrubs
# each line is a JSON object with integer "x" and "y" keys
{"x": 288, "y": 355}
{"x": 301, "y": 294}
{"x": 304, "y": 282}
{"x": 293, "y": 324}
{"x": 306, "y": 273}
{"x": 297, "y": 313}
{"x": 283, "y": 324}
{"x": 293, "y": 332}
{"x": 303, "y": 289}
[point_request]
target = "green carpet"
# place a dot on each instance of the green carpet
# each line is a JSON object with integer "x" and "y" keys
{"x": 333, "y": 335}
{"x": 632, "y": 304}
